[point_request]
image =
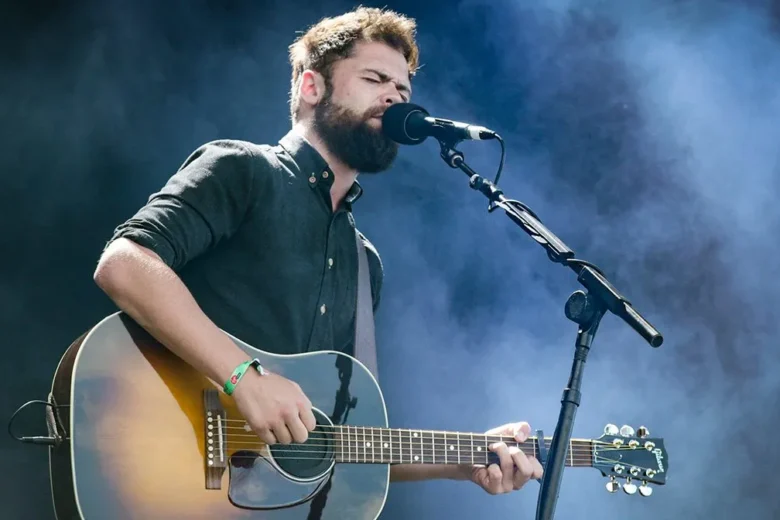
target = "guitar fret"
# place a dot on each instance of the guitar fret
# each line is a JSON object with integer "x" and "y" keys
{"x": 410, "y": 446}
{"x": 571, "y": 452}
{"x": 433, "y": 448}
{"x": 401, "y": 443}
{"x": 422, "y": 448}
{"x": 388, "y": 445}
{"x": 446, "y": 448}
{"x": 457, "y": 440}
{"x": 533, "y": 445}
{"x": 340, "y": 442}
{"x": 471, "y": 439}
{"x": 417, "y": 456}
{"x": 398, "y": 446}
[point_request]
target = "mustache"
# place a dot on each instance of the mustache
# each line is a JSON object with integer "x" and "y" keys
{"x": 375, "y": 112}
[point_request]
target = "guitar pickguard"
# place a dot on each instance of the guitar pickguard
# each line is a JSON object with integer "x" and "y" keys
{"x": 282, "y": 475}
{"x": 256, "y": 484}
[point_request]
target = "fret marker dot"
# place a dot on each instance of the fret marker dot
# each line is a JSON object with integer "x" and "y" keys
{"x": 416, "y": 457}
{"x": 479, "y": 448}
{"x": 368, "y": 445}
{"x": 387, "y": 445}
{"x": 415, "y": 434}
{"x": 452, "y": 447}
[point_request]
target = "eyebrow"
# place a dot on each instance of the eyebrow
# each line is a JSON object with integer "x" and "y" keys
{"x": 384, "y": 77}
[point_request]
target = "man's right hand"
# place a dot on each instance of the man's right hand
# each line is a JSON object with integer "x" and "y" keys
{"x": 275, "y": 407}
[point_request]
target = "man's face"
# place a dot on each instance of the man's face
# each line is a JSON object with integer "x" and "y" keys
{"x": 348, "y": 118}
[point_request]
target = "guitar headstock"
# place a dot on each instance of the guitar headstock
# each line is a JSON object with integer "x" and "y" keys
{"x": 632, "y": 456}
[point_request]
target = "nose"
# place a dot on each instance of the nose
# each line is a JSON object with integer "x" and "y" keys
{"x": 392, "y": 96}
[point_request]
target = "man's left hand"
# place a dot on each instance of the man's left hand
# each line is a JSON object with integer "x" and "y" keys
{"x": 514, "y": 469}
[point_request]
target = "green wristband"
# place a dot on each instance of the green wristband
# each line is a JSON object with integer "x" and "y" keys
{"x": 238, "y": 373}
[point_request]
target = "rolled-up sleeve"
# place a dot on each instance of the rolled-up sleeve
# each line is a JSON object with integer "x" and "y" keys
{"x": 203, "y": 203}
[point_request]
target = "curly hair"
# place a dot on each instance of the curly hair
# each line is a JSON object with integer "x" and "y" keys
{"x": 333, "y": 39}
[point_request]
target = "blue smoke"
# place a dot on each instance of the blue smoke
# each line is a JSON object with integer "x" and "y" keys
{"x": 643, "y": 134}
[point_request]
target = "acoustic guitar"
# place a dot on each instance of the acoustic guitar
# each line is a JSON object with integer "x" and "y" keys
{"x": 147, "y": 437}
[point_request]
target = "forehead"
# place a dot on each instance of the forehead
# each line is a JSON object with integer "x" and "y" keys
{"x": 380, "y": 57}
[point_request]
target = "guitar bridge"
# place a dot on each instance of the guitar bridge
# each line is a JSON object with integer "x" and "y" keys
{"x": 215, "y": 438}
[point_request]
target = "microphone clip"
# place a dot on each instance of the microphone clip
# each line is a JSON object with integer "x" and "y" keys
{"x": 449, "y": 154}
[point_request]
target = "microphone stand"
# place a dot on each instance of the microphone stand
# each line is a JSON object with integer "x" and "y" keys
{"x": 586, "y": 308}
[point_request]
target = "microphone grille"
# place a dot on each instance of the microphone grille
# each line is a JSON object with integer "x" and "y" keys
{"x": 395, "y": 122}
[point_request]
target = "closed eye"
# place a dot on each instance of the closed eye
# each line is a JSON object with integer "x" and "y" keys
{"x": 383, "y": 78}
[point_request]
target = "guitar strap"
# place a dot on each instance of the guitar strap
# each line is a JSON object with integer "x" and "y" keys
{"x": 365, "y": 338}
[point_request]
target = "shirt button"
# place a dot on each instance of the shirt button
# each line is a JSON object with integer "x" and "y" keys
{"x": 323, "y": 309}
{"x": 324, "y": 175}
{"x": 312, "y": 179}
{"x": 330, "y": 263}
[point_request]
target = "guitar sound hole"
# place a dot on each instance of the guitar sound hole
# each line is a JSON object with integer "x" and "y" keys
{"x": 311, "y": 459}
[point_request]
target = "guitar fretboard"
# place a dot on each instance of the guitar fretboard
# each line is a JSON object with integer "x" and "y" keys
{"x": 358, "y": 444}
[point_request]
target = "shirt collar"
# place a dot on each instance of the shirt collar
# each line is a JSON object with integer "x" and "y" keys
{"x": 314, "y": 167}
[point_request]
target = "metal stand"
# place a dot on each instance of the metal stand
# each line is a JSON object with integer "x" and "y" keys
{"x": 586, "y": 308}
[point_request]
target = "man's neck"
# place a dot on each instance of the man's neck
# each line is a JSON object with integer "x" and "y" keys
{"x": 343, "y": 176}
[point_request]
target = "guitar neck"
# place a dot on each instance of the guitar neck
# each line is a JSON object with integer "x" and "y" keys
{"x": 358, "y": 444}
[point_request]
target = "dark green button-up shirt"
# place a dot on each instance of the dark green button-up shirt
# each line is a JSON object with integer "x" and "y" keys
{"x": 251, "y": 231}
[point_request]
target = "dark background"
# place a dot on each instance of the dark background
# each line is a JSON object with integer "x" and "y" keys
{"x": 644, "y": 133}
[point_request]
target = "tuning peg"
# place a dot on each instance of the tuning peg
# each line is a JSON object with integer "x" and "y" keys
{"x": 611, "y": 429}
{"x": 645, "y": 490}
{"x": 642, "y": 432}
{"x": 627, "y": 431}
{"x": 629, "y": 487}
{"x": 612, "y": 485}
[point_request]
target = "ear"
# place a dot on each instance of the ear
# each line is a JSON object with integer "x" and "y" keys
{"x": 311, "y": 87}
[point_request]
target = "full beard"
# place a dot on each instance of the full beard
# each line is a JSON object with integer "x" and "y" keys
{"x": 350, "y": 138}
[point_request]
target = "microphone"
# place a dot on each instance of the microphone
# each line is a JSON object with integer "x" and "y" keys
{"x": 407, "y": 123}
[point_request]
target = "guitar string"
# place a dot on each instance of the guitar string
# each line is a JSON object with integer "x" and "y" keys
{"x": 360, "y": 445}
{"x": 587, "y": 463}
{"x": 582, "y": 463}
{"x": 384, "y": 435}
{"x": 353, "y": 448}
{"x": 368, "y": 430}
{"x": 426, "y": 443}
{"x": 493, "y": 437}
{"x": 347, "y": 456}
{"x": 358, "y": 438}
{"x": 356, "y": 447}
{"x": 386, "y": 428}
{"x": 345, "y": 461}
{"x": 586, "y": 458}
{"x": 376, "y": 441}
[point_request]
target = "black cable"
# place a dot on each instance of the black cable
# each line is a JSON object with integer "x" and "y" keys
{"x": 492, "y": 205}
{"x": 37, "y": 439}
